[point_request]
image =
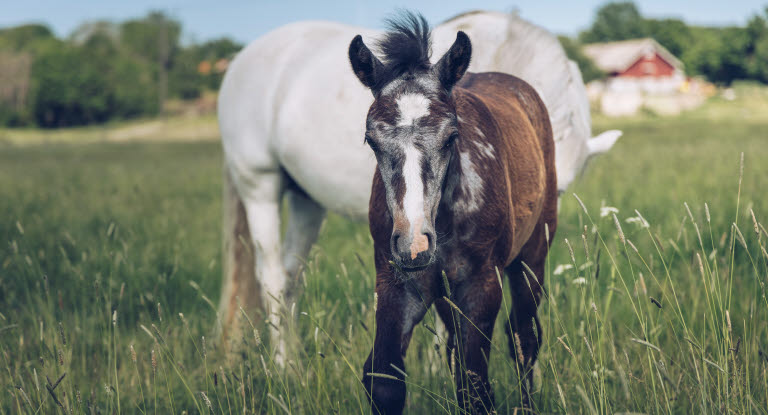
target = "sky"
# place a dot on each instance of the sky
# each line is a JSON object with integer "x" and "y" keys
{"x": 245, "y": 20}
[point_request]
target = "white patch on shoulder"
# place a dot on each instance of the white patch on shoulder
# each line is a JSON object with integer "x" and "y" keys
{"x": 471, "y": 185}
{"x": 411, "y": 107}
{"x": 486, "y": 149}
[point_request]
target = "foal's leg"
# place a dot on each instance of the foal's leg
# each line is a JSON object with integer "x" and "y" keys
{"x": 524, "y": 328}
{"x": 399, "y": 309}
{"x": 445, "y": 312}
{"x": 479, "y": 301}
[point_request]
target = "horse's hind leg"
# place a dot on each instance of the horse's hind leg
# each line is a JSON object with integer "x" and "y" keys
{"x": 304, "y": 219}
{"x": 261, "y": 198}
{"x": 524, "y": 329}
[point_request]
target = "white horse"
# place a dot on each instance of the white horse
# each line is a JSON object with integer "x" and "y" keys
{"x": 290, "y": 115}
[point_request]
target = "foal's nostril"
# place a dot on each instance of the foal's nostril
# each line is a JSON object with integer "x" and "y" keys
{"x": 396, "y": 249}
{"x": 430, "y": 240}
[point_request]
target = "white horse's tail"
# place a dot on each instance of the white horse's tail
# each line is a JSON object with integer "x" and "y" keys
{"x": 240, "y": 287}
{"x": 603, "y": 142}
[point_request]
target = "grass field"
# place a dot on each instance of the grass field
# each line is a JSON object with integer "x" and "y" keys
{"x": 110, "y": 271}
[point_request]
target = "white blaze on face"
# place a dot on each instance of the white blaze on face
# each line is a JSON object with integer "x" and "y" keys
{"x": 413, "y": 201}
{"x": 411, "y": 107}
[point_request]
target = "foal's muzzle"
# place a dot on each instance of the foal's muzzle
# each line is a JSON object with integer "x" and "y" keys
{"x": 413, "y": 252}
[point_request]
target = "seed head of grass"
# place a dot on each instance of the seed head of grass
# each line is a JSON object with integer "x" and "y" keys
{"x": 631, "y": 245}
{"x": 584, "y": 242}
{"x": 578, "y": 199}
{"x": 519, "y": 349}
{"x": 754, "y": 222}
{"x": 570, "y": 251}
{"x": 618, "y": 228}
{"x": 61, "y": 333}
{"x": 206, "y": 400}
{"x": 706, "y": 210}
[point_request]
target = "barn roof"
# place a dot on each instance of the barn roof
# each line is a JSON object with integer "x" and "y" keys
{"x": 618, "y": 56}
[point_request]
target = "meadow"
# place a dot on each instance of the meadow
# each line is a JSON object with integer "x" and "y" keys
{"x": 110, "y": 271}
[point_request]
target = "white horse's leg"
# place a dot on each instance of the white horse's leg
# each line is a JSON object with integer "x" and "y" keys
{"x": 240, "y": 287}
{"x": 304, "y": 219}
{"x": 262, "y": 206}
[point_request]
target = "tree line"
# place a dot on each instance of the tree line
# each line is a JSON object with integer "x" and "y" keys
{"x": 103, "y": 71}
{"x": 720, "y": 54}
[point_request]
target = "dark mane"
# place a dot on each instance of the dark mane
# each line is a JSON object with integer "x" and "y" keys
{"x": 405, "y": 48}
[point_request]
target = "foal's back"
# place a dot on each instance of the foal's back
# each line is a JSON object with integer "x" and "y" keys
{"x": 503, "y": 117}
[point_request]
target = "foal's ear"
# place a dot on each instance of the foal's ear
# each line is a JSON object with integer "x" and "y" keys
{"x": 366, "y": 66}
{"x": 451, "y": 67}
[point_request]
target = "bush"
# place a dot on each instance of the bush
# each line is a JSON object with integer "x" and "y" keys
{"x": 69, "y": 90}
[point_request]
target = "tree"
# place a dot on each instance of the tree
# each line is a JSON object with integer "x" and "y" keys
{"x": 156, "y": 39}
{"x": 615, "y": 21}
{"x": 75, "y": 96}
{"x": 589, "y": 71}
{"x": 24, "y": 37}
{"x": 673, "y": 34}
{"x": 757, "y": 32}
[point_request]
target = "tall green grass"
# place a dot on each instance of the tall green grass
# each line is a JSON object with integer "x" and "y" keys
{"x": 110, "y": 271}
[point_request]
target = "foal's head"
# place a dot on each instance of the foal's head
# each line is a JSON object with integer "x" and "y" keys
{"x": 411, "y": 127}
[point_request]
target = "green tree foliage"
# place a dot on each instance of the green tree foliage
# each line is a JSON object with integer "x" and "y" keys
{"x": 102, "y": 71}
{"x": 213, "y": 51}
{"x": 154, "y": 38}
{"x": 589, "y": 71}
{"x": 757, "y": 30}
{"x": 615, "y": 21}
{"x": 69, "y": 97}
{"x": 30, "y": 37}
{"x": 673, "y": 34}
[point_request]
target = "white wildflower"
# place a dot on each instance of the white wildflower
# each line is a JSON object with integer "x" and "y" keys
{"x": 607, "y": 210}
{"x": 562, "y": 268}
{"x": 638, "y": 220}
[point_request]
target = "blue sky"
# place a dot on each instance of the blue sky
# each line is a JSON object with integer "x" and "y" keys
{"x": 245, "y": 20}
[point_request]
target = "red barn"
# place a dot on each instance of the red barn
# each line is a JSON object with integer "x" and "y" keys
{"x": 641, "y": 65}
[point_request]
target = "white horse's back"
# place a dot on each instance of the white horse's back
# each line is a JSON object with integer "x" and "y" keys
{"x": 290, "y": 101}
{"x": 506, "y": 43}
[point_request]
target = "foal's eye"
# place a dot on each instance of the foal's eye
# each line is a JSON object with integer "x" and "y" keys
{"x": 451, "y": 139}
{"x": 371, "y": 143}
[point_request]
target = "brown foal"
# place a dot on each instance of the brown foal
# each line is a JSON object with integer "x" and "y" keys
{"x": 465, "y": 186}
